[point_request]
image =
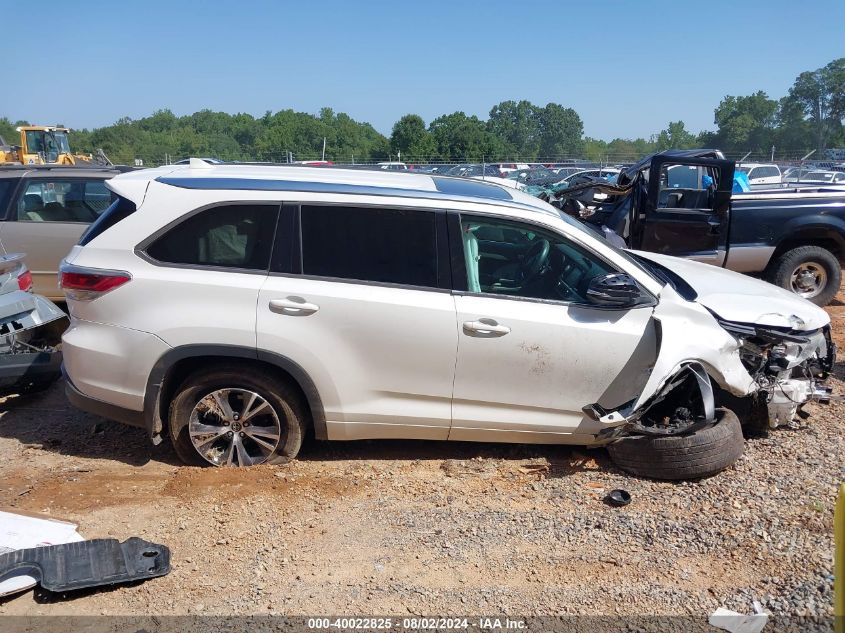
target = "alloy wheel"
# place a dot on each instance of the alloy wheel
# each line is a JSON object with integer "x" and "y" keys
{"x": 234, "y": 427}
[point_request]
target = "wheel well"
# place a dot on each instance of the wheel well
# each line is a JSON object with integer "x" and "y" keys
{"x": 834, "y": 246}
{"x": 184, "y": 367}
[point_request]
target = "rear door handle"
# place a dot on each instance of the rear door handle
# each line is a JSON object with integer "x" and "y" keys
{"x": 293, "y": 306}
{"x": 485, "y": 328}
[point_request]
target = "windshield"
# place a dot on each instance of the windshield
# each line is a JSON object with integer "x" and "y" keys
{"x": 632, "y": 259}
{"x": 62, "y": 142}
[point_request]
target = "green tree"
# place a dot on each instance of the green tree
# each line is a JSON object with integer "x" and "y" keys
{"x": 465, "y": 138}
{"x": 560, "y": 132}
{"x": 595, "y": 149}
{"x": 412, "y": 139}
{"x": 517, "y": 126}
{"x": 821, "y": 96}
{"x": 7, "y": 131}
{"x": 746, "y": 123}
{"x": 675, "y": 136}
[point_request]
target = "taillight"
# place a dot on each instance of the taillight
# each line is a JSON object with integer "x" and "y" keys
{"x": 25, "y": 281}
{"x": 86, "y": 284}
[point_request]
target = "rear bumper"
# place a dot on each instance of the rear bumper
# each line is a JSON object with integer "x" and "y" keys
{"x": 103, "y": 409}
{"x": 17, "y": 371}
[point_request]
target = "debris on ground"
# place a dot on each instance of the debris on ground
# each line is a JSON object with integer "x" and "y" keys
{"x": 618, "y": 498}
{"x": 739, "y": 623}
{"x": 83, "y": 564}
{"x": 19, "y": 532}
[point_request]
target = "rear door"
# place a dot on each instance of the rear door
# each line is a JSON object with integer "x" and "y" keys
{"x": 370, "y": 319}
{"x": 45, "y": 220}
{"x": 687, "y": 209}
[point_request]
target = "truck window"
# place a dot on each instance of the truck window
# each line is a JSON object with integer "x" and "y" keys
{"x": 686, "y": 187}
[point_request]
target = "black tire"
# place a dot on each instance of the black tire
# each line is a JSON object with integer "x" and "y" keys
{"x": 700, "y": 454}
{"x": 781, "y": 270}
{"x": 285, "y": 401}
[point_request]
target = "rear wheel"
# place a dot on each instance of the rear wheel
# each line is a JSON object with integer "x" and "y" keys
{"x": 235, "y": 417}
{"x": 811, "y": 272}
{"x": 700, "y": 454}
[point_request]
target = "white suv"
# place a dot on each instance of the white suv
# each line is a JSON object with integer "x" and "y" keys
{"x": 236, "y": 308}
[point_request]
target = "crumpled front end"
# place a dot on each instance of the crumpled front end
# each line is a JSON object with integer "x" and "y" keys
{"x": 705, "y": 362}
{"x": 788, "y": 366}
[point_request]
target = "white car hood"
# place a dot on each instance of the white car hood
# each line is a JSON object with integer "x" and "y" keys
{"x": 743, "y": 299}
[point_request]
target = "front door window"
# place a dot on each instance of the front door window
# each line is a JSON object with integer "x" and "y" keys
{"x": 521, "y": 260}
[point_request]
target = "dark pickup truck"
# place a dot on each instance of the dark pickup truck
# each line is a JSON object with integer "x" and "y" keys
{"x": 680, "y": 202}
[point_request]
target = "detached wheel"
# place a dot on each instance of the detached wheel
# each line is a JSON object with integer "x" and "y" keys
{"x": 700, "y": 454}
{"x": 811, "y": 272}
{"x": 235, "y": 417}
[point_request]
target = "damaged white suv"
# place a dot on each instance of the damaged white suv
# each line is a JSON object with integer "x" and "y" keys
{"x": 236, "y": 308}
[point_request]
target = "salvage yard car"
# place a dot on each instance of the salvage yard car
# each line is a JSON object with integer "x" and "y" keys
{"x": 237, "y": 308}
{"x": 680, "y": 203}
{"x": 30, "y": 332}
{"x": 44, "y": 210}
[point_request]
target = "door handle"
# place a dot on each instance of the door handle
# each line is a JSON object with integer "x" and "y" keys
{"x": 293, "y": 306}
{"x": 485, "y": 328}
{"x": 715, "y": 226}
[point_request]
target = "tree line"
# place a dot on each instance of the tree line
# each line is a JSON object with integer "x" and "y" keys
{"x": 809, "y": 117}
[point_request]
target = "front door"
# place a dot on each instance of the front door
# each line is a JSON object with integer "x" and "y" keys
{"x": 687, "y": 209}
{"x": 531, "y": 350}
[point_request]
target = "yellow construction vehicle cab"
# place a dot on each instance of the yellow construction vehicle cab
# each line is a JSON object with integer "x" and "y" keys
{"x": 45, "y": 145}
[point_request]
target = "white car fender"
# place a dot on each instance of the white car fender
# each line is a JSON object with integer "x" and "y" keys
{"x": 689, "y": 333}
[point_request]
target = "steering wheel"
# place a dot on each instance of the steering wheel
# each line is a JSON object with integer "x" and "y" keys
{"x": 535, "y": 260}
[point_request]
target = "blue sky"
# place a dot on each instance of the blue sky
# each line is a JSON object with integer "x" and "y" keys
{"x": 628, "y": 68}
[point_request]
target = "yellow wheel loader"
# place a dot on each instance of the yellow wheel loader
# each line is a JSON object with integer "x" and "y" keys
{"x": 46, "y": 145}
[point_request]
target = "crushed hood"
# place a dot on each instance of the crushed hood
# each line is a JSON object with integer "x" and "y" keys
{"x": 743, "y": 299}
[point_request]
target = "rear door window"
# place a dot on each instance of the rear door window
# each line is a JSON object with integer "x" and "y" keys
{"x": 396, "y": 246}
{"x": 229, "y": 236}
{"x": 72, "y": 200}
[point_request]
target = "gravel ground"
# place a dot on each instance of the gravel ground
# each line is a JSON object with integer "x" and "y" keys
{"x": 434, "y": 528}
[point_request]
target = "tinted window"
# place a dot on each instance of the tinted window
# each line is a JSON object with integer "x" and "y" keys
{"x": 6, "y": 187}
{"x": 120, "y": 209}
{"x": 519, "y": 260}
{"x": 74, "y": 200}
{"x": 385, "y": 245}
{"x": 232, "y": 236}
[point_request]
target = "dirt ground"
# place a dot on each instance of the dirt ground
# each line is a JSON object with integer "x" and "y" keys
{"x": 432, "y": 528}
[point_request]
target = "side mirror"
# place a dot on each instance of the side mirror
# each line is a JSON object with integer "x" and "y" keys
{"x": 614, "y": 290}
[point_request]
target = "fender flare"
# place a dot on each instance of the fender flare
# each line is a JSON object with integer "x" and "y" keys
{"x": 162, "y": 367}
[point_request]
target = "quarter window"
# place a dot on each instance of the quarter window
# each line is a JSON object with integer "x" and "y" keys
{"x": 231, "y": 236}
{"x": 370, "y": 244}
{"x": 518, "y": 260}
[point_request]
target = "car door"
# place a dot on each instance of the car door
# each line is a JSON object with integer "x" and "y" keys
{"x": 46, "y": 219}
{"x": 687, "y": 208}
{"x": 532, "y": 352}
{"x": 363, "y": 306}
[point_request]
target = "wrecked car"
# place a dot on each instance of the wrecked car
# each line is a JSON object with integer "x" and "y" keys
{"x": 30, "y": 332}
{"x": 680, "y": 202}
{"x": 233, "y": 309}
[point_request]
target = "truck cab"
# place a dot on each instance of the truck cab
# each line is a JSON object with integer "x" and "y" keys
{"x": 680, "y": 203}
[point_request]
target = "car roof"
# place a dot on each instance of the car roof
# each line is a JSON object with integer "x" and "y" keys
{"x": 52, "y": 171}
{"x": 326, "y": 180}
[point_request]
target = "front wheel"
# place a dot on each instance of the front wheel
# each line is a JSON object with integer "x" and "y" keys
{"x": 811, "y": 272}
{"x": 699, "y": 454}
{"x": 235, "y": 417}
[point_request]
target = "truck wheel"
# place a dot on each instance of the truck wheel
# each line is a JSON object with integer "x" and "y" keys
{"x": 811, "y": 272}
{"x": 700, "y": 454}
{"x": 235, "y": 416}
